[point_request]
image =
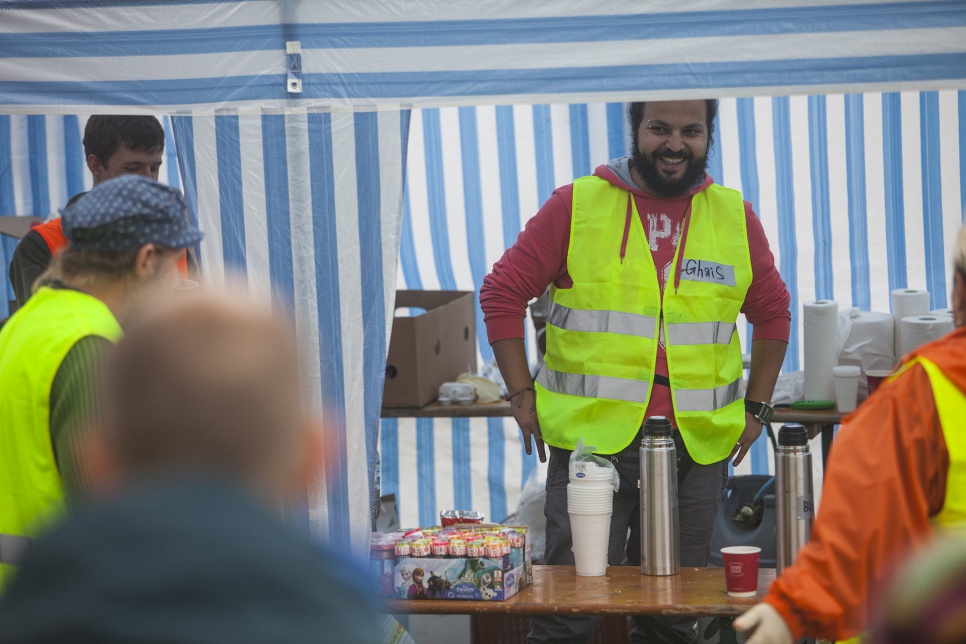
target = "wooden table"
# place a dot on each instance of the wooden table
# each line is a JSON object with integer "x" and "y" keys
{"x": 557, "y": 590}
{"x": 815, "y": 421}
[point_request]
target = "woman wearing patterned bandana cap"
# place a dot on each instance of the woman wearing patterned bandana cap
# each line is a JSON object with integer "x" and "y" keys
{"x": 125, "y": 239}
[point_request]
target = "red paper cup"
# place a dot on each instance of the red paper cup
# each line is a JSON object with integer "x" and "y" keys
{"x": 875, "y": 378}
{"x": 741, "y": 570}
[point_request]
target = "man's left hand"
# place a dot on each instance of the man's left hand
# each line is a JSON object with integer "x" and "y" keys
{"x": 749, "y": 436}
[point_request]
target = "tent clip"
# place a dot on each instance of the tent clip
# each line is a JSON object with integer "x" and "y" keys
{"x": 293, "y": 80}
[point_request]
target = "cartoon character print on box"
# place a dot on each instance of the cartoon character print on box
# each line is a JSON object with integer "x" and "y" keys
{"x": 422, "y": 578}
{"x": 417, "y": 590}
{"x": 436, "y": 586}
{"x": 490, "y": 582}
{"x": 406, "y": 573}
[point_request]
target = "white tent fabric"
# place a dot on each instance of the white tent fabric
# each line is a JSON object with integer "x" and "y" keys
{"x": 228, "y": 72}
{"x": 360, "y": 55}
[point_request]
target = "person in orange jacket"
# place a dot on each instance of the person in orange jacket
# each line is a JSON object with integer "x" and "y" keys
{"x": 114, "y": 145}
{"x": 896, "y": 475}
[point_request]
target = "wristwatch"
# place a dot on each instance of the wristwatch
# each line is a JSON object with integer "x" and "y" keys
{"x": 762, "y": 411}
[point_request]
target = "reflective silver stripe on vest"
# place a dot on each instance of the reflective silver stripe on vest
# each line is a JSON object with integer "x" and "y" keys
{"x": 700, "y": 333}
{"x": 12, "y": 548}
{"x": 569, "y": 319}
{"x": 706, "y": 399}
{"x": 579, "y": 384}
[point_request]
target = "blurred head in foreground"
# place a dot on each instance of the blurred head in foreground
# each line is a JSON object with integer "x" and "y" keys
{"x": 927, "y": 602}
{"x": 203, "y": 438}
{"x": 207, "y": 383}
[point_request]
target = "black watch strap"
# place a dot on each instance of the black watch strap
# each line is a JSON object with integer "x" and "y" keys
{"x": 762, "y": 411}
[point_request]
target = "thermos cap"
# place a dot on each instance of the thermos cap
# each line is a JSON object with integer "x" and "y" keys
{"x": 657, "y": 426}
{"x": 792, "y": 435}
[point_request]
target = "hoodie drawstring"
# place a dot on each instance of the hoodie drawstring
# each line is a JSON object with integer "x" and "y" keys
{"x": 627, "y": 225}
{"x": 684, "y": 237}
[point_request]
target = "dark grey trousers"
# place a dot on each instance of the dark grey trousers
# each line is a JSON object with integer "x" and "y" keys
{"x": 698, "y": 493}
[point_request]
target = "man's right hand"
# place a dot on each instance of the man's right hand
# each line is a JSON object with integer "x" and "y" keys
{"x": 524, "y": 409}
{"x": 511, "y": 357}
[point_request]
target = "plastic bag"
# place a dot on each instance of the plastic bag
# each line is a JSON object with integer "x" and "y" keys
{"x": 585, "y": 464}
{"x": 486, "y": 390}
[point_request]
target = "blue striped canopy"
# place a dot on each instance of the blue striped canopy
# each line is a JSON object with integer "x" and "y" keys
{"x": 291, "y": 124}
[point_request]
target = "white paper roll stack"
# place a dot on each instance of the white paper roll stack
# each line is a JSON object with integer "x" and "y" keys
{"x": 820, "y": 322}
{"x": 907, "y": 302}
{"x": 920, "y": 329}
{"x": 869, "y": 338}
{"x": 942, "y": 312}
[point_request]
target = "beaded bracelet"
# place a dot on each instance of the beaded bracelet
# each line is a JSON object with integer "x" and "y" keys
{"x": 510, "y": 397}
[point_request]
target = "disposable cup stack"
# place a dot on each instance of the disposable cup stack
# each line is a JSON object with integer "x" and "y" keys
{"x": 590, "y": 502}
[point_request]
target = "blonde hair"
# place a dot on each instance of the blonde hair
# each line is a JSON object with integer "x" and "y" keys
{"x": 79, "y": 267}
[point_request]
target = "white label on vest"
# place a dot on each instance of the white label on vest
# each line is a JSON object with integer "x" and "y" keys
{"x": 805, "y": 506}
{"x": 700, "y": 270}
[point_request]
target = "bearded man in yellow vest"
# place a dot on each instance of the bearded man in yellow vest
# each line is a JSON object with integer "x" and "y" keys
{"x": 125, "y": 239}
{"x": 896, "y": 475}
{"x": 649, "y": 263}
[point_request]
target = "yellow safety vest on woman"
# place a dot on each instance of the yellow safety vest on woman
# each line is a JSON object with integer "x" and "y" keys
{"x": 602, "y": 334}
{"x": 33, "y": 344}
{"x": 951, "y": 408}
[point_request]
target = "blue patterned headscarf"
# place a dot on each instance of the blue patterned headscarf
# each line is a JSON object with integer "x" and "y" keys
{"x": 128, "y": 212}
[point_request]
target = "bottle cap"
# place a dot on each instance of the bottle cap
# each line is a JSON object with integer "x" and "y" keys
{"x": 657, "y": 426}
{"x": 792, "y": 435}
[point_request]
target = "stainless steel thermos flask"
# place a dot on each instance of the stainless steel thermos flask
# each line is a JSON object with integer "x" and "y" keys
{"x": 794, "y": 502}
{"x": 658, "y": 485}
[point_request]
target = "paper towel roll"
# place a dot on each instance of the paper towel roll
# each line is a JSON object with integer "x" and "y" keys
{"x": 820, "y": 322}
{"x": 869, "y": 338}
{"x": 920, "y": 329}
{"x": 941, "y": 312}
{"x": 907, "y": 302}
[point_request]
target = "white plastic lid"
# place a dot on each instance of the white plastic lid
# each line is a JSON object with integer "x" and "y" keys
{"x": 846, "y": 371}
{"x": 588, "y": 471}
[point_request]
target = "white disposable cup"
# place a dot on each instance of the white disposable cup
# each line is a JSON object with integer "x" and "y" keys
{"x": 590, "y": 496}
{"x": 846, "y": 387}
{"x": 596, "y": 492}
{"x": 591, "y": 535}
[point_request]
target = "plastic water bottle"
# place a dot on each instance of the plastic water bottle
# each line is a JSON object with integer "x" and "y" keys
{"x": 794, "y": 500}
{"x": 660, "y": 554}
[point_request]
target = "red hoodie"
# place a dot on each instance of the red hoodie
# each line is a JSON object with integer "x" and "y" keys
{"x": 539, "y": 257}
{"x": 885, "y": 478}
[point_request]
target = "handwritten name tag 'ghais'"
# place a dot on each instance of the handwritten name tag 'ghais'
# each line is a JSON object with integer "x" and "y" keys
{"x": 699, "y": 270}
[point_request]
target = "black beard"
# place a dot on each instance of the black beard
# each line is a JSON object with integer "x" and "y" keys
{"x": 655, "y": 181}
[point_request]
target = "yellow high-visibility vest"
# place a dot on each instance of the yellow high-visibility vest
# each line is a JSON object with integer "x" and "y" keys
{"x": 33, "y": 344}
{"x": 602, "y": 334}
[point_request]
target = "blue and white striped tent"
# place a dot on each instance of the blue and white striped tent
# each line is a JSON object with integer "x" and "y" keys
{"x": 843, "y": 124}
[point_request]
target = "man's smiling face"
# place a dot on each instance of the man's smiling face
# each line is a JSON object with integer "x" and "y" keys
{"x": 671, "y": 146}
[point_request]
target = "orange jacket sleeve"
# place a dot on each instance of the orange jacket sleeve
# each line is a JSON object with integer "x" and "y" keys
{"x": 886, "y": 476}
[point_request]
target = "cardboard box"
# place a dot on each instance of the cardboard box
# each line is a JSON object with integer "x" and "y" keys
{"x": 463, "y": 578}
{"x": 429, "y": 349}
{"x": 478, "y": 578}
